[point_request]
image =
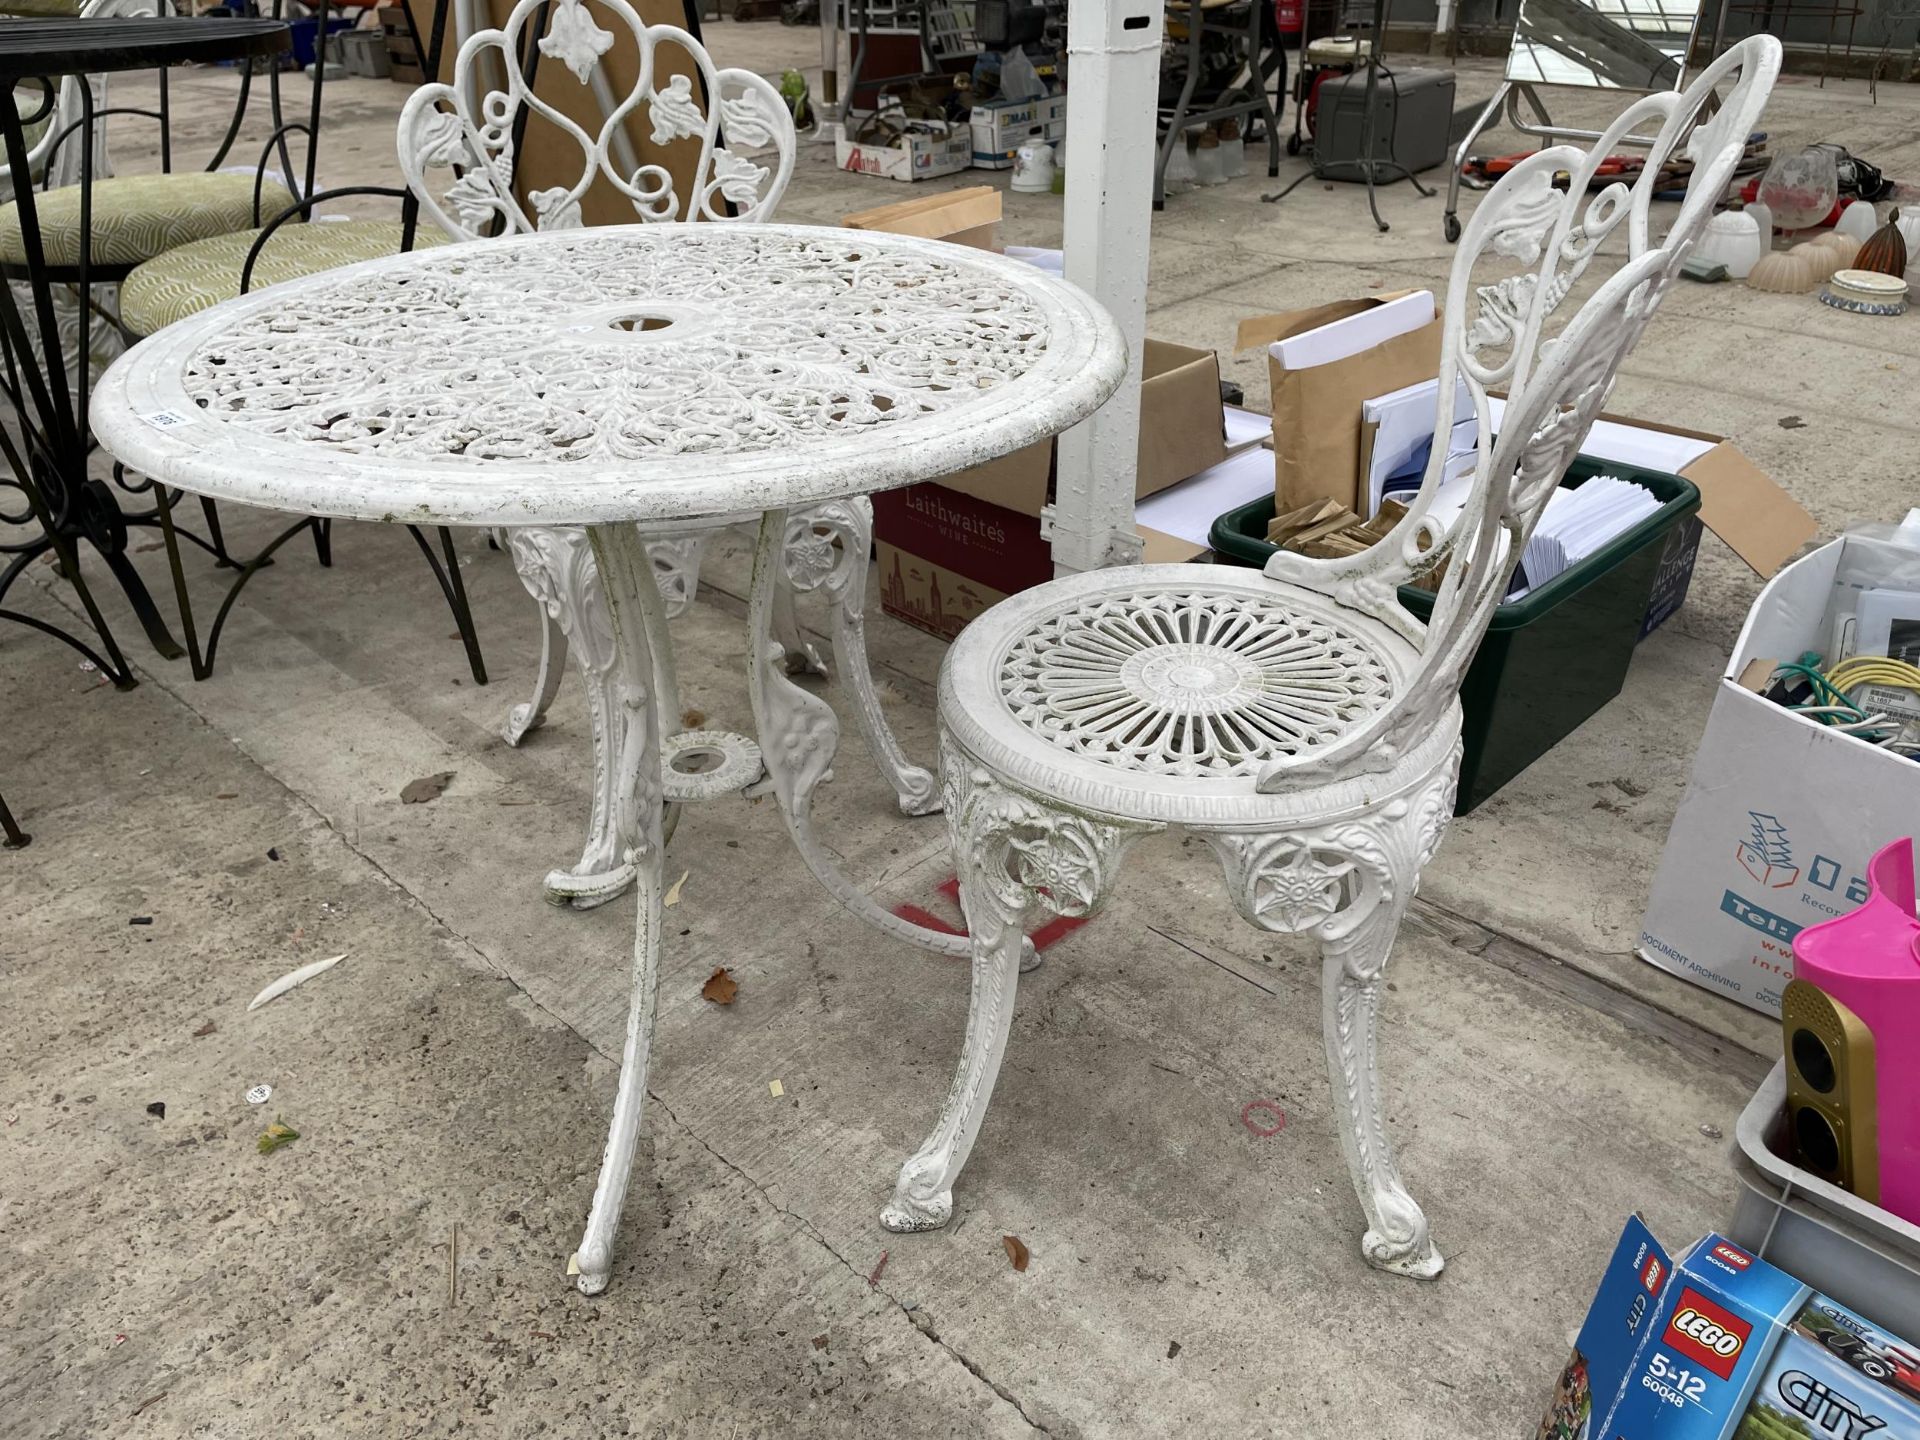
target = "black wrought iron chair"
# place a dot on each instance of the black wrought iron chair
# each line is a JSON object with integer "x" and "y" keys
{"x": 190, "y": 278}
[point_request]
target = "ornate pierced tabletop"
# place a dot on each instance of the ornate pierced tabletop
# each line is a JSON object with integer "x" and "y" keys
{"x": 629, "y": 374}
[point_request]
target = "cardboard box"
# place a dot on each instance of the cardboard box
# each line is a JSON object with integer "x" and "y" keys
{"x": 949, "y": 549}
{"x": 1320, "y": 442}
{"x": 1001, "y": 127}
{"x": 1723, "y": 1346}
{"x": 401, "y": 55}
{"x": 1742, "y": 504}
{"x": 1781, "y": 813}
{"x": 1006, "y": 124}
{"x": 964, "y": 217}
{"x": 915, "y": 155}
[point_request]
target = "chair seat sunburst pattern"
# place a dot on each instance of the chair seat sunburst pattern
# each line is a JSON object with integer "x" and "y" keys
{"x": 1189, "y": 683}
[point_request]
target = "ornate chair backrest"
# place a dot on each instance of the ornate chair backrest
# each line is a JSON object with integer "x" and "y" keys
{"x": 1508, "y": 332}
{"x": 472, "y": 124}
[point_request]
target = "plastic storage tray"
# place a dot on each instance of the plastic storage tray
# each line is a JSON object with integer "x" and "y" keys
{"x": 1552, "y": 659}
{"x": 1857, "y": 1253}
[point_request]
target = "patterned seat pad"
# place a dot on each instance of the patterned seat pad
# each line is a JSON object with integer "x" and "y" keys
{"x": 187, "y": 280}
{"x": 136, "y": 217}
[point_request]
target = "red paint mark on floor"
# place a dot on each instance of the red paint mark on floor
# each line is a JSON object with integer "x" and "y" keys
{"x": 1051, "y": 933}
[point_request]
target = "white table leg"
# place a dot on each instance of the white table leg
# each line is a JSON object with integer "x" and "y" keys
{"x": 634, "y": 608}
{"x": 799, "y": 734}
{"x": 827, "y": 548}
{"x": 557, "y": 566}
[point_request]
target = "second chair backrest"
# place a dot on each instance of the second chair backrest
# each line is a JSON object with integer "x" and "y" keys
{"x": 474, "y": 125}
{"x": 1510, "y": 333}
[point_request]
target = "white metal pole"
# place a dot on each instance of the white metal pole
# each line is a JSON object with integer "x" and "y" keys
{"x": 1113, "y": 85}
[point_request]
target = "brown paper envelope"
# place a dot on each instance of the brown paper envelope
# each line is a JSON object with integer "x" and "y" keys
{"x": 1316, "y": 412}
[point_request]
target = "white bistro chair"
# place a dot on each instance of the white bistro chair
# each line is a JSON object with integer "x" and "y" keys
{"x": 1299, "y": 719}
{"x": 469, "y": 126}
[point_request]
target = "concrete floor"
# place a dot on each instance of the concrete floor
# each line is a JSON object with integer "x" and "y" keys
{"x": 165, "y": 1279}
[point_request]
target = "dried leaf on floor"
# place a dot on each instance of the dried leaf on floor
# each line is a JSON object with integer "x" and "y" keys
{"x": 1173, "y": 1348}
{"x": 276, "y": 1135}
{"x": 721, "y": 987}
{"x": 1016, "y": 1251}
{"x": 205, "y": 1030}
{"x": 673, "y": 890}
{"x": 427, "y": 787}
{"x": 1792, "y": 422}
{"x": 292, "y": 978}
{"x": 873, "y": 1277}
{"x": 693, "y": 719}
{"x": 820, "y": 1341}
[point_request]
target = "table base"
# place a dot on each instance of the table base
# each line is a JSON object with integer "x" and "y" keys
{"x": 799, "y": 735}
{"x": 824, "y": 548}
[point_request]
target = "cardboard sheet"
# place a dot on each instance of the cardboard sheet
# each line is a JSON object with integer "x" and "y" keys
{"x": 1742, "y": 504}
{"x": 1187, "y": 510}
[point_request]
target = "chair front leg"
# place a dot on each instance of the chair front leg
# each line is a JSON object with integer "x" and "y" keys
{"x": 829, "y": 547}
{"x": 1353, "y": 965}
{"x": 1349, "y": 885}
{"x": 1015, "y": 858}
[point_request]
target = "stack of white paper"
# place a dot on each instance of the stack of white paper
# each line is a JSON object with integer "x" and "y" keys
{"x": 1054, "y": 262}
{"x": 1630, "y": 444}
{"x": 1245, "y": 428}
{"x": 1576, "y": 524}
{"x": 1187, "y": 510}
{"x": 1402, "y": 424}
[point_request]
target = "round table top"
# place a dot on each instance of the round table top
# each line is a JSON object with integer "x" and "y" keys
{"x": 105, "y": 43}
{"x": 638, "y": 372}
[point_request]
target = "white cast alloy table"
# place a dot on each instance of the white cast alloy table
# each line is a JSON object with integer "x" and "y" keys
{"x": 606, "y": 377}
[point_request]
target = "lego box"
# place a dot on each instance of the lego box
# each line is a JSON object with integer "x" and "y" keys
{"x": 1722, "y": 1346}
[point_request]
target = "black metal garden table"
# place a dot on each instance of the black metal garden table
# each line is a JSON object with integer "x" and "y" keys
{"x": 46, "y": 445}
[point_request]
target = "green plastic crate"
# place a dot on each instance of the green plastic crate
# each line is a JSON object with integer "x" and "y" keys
{"x": 1553, "y": 658}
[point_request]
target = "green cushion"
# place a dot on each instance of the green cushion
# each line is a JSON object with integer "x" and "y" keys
{"x": 136, "y": 217}
{"x": 186, "y": 281}
{"x": 40, "y": 9}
